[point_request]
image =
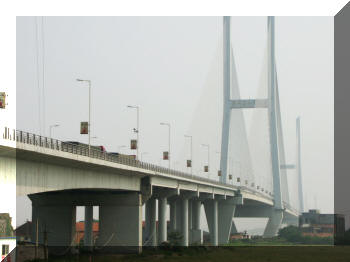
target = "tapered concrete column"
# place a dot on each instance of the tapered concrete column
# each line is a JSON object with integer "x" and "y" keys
{"x": 290, "y": 220}
{"x": 88, "y": 231}
{"x": 211, "y": 212}
{"x": 151, "y": 238}
{"x": 274, "y": 223}
{"x": 184, "y": 222}
{"x": 173, "y": 216}
{"x": 233, "y": 228}
{"x": 226, "y": 209}
{"x": 162, "y": 223}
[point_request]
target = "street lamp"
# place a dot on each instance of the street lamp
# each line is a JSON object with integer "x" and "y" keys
{"x": 167, "y": 124}
{"x": 191, "y": 153}
{"x": 142, "y": 154}
{"x": 52, "y": 126}
{"x": 89, "y": 124}
{"x": 137, "y": 130}
{"x": 207, "y": 146}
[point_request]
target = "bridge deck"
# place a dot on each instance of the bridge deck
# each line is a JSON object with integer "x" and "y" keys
{"x": 43, "y": 147}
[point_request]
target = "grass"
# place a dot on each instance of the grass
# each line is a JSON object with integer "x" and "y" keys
{"x": 261, "y": 242}
{"x": 227, "y": 254}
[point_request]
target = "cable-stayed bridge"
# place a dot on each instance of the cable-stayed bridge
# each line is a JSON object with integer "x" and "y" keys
{"x": 59, "y": 176}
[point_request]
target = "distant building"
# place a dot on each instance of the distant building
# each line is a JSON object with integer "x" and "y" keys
{"x": 7, "y": 244}
{"x": 313, "y": 223}
{"x": 80, "y": 229}
{"x": 24, "y": 232}
{"x": 7, "y": 238}
{"x": 240, "y": 235}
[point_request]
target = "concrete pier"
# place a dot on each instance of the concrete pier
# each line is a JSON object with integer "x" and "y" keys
{"x": 172, "y": 216}
{"x": 151, "y": 211}
{"x": 211, "y": 212}
{"x": 184, "y": 222}
{"x": 53, "y": 223}
{"x": 162, "y": 223}
{"x": 226, "y": 209}
{"x": 88, "y": 227}
{"x": 196, "y": 232}
{"x": 274, "y": 223}
{"x": 121, "y": 223}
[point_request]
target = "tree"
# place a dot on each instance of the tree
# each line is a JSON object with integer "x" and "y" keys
{"x": 291, "y": 234}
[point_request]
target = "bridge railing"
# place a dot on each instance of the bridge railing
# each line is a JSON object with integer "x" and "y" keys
{"x": 96, "y": 152}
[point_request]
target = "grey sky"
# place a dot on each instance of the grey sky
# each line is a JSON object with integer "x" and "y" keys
{"x": 163, "y": 64}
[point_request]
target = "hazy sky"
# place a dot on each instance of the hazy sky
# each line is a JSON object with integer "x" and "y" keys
{"x": 163, "y": 64}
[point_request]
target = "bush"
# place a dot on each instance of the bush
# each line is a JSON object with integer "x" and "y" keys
{"x": 291, "y": 234}
{"x": 294, "y": 235}
{"x": 174, "y": 238}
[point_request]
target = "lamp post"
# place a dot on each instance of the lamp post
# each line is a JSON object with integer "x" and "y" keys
{"x": 191, "y": 153}
{"x": 89, "y": 124}
{"x": 207, "y": 146}
{"x": 167, "y": 124}
{"x": 137, "y": 130}
{"x": 52, "y": 126}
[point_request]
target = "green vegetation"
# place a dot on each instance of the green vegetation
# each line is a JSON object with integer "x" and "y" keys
{"x": 288, "y": 236}
{"x": 226, "y": 254}
{"x": 175, "y": 238}
{"x": 290, "y": 245}
{"x": 294, "y": 235}
{"x": 261, "y": 242}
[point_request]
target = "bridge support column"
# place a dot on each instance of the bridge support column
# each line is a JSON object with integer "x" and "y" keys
{"x": 184, "y": 222}
{"x": 179, "y": 215}
{"x": 151, "y": 237}
{"x": 54, "y": 221}
{"x": 233, "y": 228}
{"x": 226, "y": 209}
{"x": 196, "y": 232}
{"x": 173, "y": 216}
{"x": 274, "y": 223}
{"x": 211, "y": 212}
{"x": 147, "y": 223}
{"x": 88, "y": 230}
{"x": 162, "y": 223}
{"x": 290, "y": 220}
{"x": 190, "y": 214}
{"x": 121, "y": 223}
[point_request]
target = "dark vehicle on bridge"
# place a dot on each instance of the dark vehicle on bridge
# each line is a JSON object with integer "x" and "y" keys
{"x": 82, "y": 149}
{"x": 119, "y": 155}
{"x": 122, "y": 158}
